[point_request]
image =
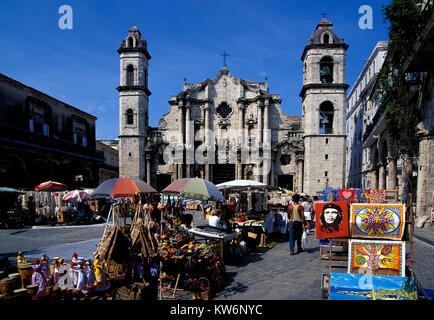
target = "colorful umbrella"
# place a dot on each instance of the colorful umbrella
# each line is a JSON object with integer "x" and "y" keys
{"x": 77, "y": 195}
{"x": 121, "y": 187}
{"x": 51, "y": 186}
{"x": 195, "y": 188}
{"x": 10, "y": 190}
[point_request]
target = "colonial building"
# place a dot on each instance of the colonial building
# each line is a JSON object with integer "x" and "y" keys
{"x": 110, "y": 168}
{"x": 362, "y": 104}
{"x": 42, "y": 138}
{"x": 229, "y": 128}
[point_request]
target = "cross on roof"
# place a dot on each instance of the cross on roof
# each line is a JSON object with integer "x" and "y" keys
{"x": 224, "y": 55}
{"x": 324, "y": 14}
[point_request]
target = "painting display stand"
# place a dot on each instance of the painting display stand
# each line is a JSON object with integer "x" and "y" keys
{"x": 408, "y": 239}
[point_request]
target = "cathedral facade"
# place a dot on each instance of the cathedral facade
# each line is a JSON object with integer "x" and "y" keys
{"x": 229, "y": 128}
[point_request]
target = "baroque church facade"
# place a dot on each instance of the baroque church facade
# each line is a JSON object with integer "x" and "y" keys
{"x": 229, "y": 128}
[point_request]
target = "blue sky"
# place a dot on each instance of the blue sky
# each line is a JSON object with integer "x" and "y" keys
{"x": 185, "y": 39}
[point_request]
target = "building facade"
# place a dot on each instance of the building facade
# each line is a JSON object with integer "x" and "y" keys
{"x": 229, "y": 128}
{"x": 42, "y": 138}
{"x": 362, "y": 104}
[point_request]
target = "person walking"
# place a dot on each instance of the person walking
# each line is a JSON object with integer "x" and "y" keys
{"x": 296, "y": 224}
{"x": 308, "y": 213}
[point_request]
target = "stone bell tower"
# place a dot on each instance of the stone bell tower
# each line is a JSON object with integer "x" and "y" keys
{"x": 324, "y": 109}
{"x": 133, "y": 104}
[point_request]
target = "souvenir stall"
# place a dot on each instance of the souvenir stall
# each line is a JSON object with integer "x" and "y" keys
{"x": 376, "y": 236}
{"x": 188, "y": 263}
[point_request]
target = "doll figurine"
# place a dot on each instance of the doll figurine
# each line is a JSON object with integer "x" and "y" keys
{"x": 21, "y": 258}
{"x": 38, "y": 277}
{"x": 45, "y": 260}
{"x": 101, "y": 282}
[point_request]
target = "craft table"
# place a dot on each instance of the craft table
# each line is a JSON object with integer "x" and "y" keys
{"x": 210, "y": 233}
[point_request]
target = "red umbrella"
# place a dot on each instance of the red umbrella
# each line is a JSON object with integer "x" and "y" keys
{"x": 78, "y": 195}
{"x": 51, "y": 186}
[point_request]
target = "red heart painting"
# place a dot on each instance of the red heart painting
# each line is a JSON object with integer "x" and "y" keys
{"x": 347, "y": 195}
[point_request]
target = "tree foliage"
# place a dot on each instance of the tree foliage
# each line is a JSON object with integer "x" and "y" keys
{"x": 402, "y": 113}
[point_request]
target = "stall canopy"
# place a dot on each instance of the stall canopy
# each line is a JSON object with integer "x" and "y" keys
{"x": 10, "y": 191}
{"x": 242, "y": 184}
{"x": 51, "y": 186}
{"x": 195, "y": 188}
{"x": 121, "y": 187}
{"x": 76, "y": 195}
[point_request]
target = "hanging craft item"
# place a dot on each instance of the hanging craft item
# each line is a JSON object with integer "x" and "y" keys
{"x": 347, "y": 195}
{"x": 377, "y": 221}
{"x": 331, "y": 219}
{"x": 365, "y": 196}
{"x": 377, "y": 196}
{"x": 377, "y": 257}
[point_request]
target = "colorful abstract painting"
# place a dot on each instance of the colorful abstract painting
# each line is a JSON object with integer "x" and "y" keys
{"x": 331, "y": 220}
{"x": 376, "y": 257}
{"x": 377, "y": 221}
{"x": 377, "y": 196}
{"x": 347, "y": 195}
{"x": 344, "y": 286}
{"x": 365, "y": 196}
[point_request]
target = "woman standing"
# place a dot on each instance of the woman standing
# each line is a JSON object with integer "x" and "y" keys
{"x": 308, "y": 211}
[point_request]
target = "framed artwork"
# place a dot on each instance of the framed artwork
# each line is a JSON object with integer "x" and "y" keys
{"x": 391, "y": 196}
{"x": 347, "y": 195}
{"x": 377, "y": 221}
{"x": 344, "y": 286}
{"x": 376, "y": 257}
{"x": 330, "y": 195}
{"x": 377, "y": 196}
{"x": 365, "y": 196}
{"x": 331, "y": 220}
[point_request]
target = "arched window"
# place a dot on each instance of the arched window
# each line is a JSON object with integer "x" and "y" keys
{"x": 130, "y": 42}
{"x": 129, "y": 116}
{"x": 130, "y": 75}
{"x": 326, "y": 39}
{"x": 326, "y": 70}
{"x": 326, "y": 114}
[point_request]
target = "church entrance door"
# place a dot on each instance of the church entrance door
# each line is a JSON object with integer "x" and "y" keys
{"x": 223, "y": 173}
{"x": 286, "y": 181}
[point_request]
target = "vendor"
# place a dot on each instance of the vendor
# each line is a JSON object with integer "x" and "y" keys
{"x": 214, "y": 219}
{"x": 186, "y": 220}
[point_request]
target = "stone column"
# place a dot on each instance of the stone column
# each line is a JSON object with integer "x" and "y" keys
{"x": 180, "y": 147}
{"x": 148, "y": 168}
{"x": 189, "y": 141}
{"x": 260, "y": 123}
{"x": 381, "y": 177}
{"x": 391, "y": 177}
{"x": 206, "y": 138}
{"x": 300, "y": 174}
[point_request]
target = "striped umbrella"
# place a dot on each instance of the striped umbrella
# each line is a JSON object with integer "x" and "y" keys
{"x": 195, "y": 188}
{"x": 121, "y": 187}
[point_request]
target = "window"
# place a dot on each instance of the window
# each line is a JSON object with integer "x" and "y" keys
{"x": 327, "y": 141}
{"x": 326, "y": 157}
{"x": 129, "y": 116}
{"x": 39, "y": 117}
{"x": 326, "y": 173}
{"x": 130, "y": 75}
{"x": 130, "y": 42}
{"x": 326, "y": 112}
{"x": 326, "y": 38}
{"x": 326, "y": 70}
{"x": 79, "y": 131}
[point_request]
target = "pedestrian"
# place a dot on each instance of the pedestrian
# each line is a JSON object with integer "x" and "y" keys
{"x": 308, "y": 212}
{"x": 296, "y": 224}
